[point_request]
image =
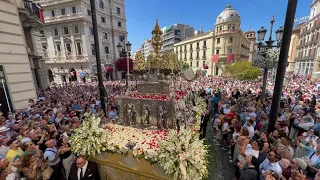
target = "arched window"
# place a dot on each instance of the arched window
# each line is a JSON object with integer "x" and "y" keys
{"x": 101, "y": 5}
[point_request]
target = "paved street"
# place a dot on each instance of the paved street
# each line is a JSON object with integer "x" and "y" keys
{"x": 219, "y": 166}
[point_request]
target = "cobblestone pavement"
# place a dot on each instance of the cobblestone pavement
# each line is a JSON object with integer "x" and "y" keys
{"x": 220, "y": 168}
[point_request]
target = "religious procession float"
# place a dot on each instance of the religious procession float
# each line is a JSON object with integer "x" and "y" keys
{"x": 157, "y": 134}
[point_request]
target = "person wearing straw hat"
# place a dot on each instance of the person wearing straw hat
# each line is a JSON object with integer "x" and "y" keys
{"x": 4, "y": 132}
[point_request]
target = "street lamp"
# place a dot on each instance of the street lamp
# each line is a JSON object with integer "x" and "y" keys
{"x": 263, "y": 48}
{"x": 124, "y": 52}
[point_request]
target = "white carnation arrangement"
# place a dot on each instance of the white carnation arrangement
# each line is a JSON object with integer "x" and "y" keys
{"x": 89, "y": 138}
{"x": 266, "y": 58}
{"x": 200, "y": 108}
{"x": 183, "y": 155}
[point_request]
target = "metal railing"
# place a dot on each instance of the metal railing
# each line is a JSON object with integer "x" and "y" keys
{"x": 33, "y": 9}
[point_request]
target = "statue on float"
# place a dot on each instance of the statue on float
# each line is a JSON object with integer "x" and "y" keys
{"x": 145, "y": 115}
{"x": 162, "y": 117}
{"x": 130, "y": 119}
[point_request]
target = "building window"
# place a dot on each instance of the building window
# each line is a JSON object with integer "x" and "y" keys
{"x": 218, "y": 40}
{"x": 197, "y": 63}
{"x": 79, "y": 49}
{"x": 229, "y": 26}
{"x": 217, "y": 51}
{"x": 90, "y": 31}
{"x": 233, "y": 27}
{"x": 190, "y": 47}
{"x": 230, "y": 39}
{"x": 177, "y": 32}
{"x": 103, "y": 20}
{"x": 119, "y": 24}
{"x": 41, "y": 32}
{"x": 191, "y": 64}
{"x": 76, "y": 29}
{"x": 121, "y": 38}
{"x": 118, "y": 10}
{"x": 105, "y": 36}
{"x": 191, "y": 56}
{"x": 93, "y": 49}
{"x": 229, "y": 51}
{"x": 204, "y": 54}
{"x": 52, "y": 13}
{"x": 68, "y": 49}
{"x": 204, "y": 43}
{"x": 55, "y": 32}
{"x": 106, "y": 50}
{"x": 203, "y": 63}
{"x": 198, "y": 54}
{"x": 197, "y": 45}
{"x": 185, "y": 47}
{"x": 89, "y": 12}
{"x": 74, "y": 10}
{"x": 220, "y": 28}
{"x": 63, "y": 11}
{"x": 44, "y": 48}
{"x": 65, "y": 30}
{"x": 58, "y": 47}
{"x": 101, "y": 5}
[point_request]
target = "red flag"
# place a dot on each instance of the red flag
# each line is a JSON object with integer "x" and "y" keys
{"x": 215, "y": 58}
{"x": 229, "y": 30}
{"x": 230, "y": 58}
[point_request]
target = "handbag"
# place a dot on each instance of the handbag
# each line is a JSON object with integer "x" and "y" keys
{"x": 47, "y": 173}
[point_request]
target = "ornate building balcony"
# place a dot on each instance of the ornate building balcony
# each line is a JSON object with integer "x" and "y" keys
{"x": 121, "y": 15}
{"x": 30, "y": 14}
{"x": 230, "y": 31}
{"x": 204, "y": 48}
{"x": 52, "y": 2}
{"x": 69, "y": 17}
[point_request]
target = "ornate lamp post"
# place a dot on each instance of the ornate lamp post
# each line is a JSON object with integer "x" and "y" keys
{"x": 264, "y": 49}
{"x": 126, "y": 54}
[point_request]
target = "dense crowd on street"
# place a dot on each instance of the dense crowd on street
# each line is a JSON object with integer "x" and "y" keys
{"x": 34, "y": 141}
{"x": 288, "y": 150}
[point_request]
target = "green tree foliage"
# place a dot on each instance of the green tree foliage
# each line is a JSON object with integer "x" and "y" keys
{"x": 183, "y": 65}
{"x": 242, "y": 70}
{"x": 139, "y": 66}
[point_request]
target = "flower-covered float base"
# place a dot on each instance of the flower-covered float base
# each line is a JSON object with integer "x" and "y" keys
{"x": 113, "y": 166}
{"x": 125, "y": 152}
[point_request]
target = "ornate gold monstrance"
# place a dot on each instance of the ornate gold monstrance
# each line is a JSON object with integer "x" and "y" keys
{"x": 156, "y": 42}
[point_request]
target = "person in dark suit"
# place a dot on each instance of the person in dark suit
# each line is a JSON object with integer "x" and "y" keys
{"x": 84, "y": 170}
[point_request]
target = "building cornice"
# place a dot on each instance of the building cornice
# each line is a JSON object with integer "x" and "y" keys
{"x": 50, "y": 4}
{"x": 314, "y": 3}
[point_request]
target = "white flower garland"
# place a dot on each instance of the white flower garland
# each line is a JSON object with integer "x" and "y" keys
{"x": 89, "y": 138}
{"x": 266, "y": 58}
{"x": 184, "y": 155}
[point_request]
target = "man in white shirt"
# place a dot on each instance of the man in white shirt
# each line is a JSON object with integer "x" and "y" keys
{"x": 270, "y": 164}
{"x": 250, "y": 128}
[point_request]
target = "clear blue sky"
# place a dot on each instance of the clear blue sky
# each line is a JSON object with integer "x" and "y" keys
{"x": 142, "y": 14}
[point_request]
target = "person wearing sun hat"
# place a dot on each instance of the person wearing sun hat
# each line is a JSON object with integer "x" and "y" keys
{"x": 4, "y": 131}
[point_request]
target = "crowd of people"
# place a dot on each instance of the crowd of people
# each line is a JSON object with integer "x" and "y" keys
{"x": 34, "y": 141}
{"x": 288, "y": 150}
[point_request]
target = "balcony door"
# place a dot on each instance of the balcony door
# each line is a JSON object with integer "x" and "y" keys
{"x": 5, "y": 101}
